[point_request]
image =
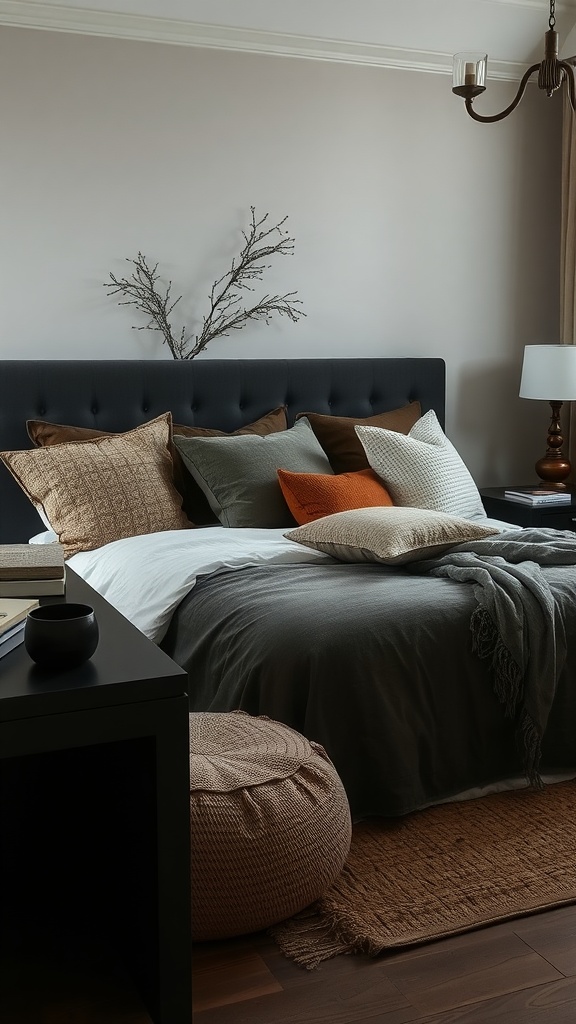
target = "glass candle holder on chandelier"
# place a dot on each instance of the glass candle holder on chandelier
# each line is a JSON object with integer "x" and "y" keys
{"x": 469, "y": 74}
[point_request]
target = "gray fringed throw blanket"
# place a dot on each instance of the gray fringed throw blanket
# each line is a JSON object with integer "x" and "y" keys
{"x": 518, "y": 620}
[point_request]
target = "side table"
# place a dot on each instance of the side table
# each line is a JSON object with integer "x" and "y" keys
{"x": 95, "y": 805}
{"x": 558, "y": 517}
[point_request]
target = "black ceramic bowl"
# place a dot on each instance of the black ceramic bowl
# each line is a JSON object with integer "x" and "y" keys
{"x": 61, "y": 635}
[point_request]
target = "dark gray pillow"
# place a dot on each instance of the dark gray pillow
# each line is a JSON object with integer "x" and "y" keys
{"x": 238, "y": 474}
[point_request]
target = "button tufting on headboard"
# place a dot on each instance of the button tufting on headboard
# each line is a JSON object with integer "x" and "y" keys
{"x": 215, "y": 390}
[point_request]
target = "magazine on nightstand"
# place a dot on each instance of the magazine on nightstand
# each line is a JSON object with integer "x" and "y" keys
{"x": 538, "y": 496}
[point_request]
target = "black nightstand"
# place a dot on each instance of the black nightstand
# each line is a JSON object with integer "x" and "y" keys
{"x": 558, "y": 517}
{"x": 95, "y": 811}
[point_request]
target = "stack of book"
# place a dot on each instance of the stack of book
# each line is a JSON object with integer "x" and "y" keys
{"x": 13, "y": 614}
{"x": 538, "y": 496}
{"x": 31, "y": 570}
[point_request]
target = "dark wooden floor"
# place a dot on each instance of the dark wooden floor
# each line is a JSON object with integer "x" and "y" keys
{"x": 519, "y": 972}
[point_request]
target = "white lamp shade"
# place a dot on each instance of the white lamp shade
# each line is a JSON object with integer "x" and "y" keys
{"x": 549, "y": 373}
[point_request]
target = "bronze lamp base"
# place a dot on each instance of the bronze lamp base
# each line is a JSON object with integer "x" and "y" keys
{"x": 553, "y": 468}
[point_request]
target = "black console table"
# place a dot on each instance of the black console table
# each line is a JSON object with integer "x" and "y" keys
{"x": 94, "y": 805}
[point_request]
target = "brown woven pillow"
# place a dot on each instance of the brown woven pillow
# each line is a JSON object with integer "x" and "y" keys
{"x": 195, "y": 504}
{"x": 105, "y": 488}
{"x": 338, "y": 438}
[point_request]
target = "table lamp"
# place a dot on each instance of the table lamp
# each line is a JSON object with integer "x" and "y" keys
{"x": 549, "y": 374}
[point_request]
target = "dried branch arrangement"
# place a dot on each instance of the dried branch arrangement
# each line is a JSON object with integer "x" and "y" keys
{"x": 228, "y": 310}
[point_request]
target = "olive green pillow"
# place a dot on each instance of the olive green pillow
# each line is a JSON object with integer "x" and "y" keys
{"x": 239, "y": 475}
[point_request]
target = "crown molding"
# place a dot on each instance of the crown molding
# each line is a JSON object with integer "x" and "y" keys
{"x": 538, "y": 5}
{"x": 57, "y": 18}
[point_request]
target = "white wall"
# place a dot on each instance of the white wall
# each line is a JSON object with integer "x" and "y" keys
{"x": 417, "y": 230}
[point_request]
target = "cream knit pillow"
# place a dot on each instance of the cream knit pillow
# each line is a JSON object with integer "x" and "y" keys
{"x": 422, "y": 468}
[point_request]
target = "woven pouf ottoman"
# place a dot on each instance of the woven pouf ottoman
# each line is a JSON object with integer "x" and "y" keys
{"x": 269, "y": 819}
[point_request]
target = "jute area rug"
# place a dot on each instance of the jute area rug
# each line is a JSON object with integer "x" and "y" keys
{"x": 442, "y": 871}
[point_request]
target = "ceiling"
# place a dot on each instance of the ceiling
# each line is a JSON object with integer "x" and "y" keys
{"x": 420, "y": 34}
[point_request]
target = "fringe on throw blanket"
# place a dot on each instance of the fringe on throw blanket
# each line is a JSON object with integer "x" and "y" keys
{"x": 487, "y": 643}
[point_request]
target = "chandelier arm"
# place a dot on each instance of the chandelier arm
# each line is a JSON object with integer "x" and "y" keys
{"x": 570, "y": 81}
{"x": 512, "y": 106}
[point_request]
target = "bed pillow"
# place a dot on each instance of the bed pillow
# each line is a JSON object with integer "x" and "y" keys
{"x": 337, "y": 436}
{"x": 393, "y": 535}
{"x": 310, "y": 496}
{"x": 97, "y": 491}
{"x": 195, "y": 505}
{"x": 43, "y": 433}
{"x": 239, "y": 477}
{"x": 270, "y": 423}
{"x": 423, "y": 469}
{"x": 195, "y": 502}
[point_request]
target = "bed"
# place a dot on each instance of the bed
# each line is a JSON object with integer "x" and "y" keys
{"x": 373, "y": 661}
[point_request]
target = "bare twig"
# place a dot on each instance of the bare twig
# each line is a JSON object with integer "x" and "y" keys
{"x": 227, "y": 312}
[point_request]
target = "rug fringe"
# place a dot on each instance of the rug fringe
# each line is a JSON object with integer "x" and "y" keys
{"x": 296, "y": 936}
{"x": 332, "y": 932}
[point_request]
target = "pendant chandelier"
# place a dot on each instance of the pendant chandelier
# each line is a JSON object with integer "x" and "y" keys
{"x": 469, "y": 74}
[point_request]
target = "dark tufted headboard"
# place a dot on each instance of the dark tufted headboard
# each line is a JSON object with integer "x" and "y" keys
{"x": 117, "y": 395}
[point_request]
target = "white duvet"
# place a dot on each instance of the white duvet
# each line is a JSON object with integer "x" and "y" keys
{"x": 146, "y": 577}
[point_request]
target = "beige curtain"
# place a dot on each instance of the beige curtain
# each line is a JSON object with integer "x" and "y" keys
{"x": 568, "y": 257}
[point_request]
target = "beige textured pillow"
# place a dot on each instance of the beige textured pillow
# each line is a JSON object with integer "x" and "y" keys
{"x": 391, "y": 535}
{"x": 103, "y": 489}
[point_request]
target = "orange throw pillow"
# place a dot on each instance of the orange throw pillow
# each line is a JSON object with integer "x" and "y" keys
{"x": 311, "y": 496}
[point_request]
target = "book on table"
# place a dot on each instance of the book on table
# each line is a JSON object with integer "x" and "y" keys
{"x": 12, "y": 638}
{"x": 31, "y": 562}
{"x": 32, "y": 588}
{"x": 13, "y": 614}
{"x": 32, "y": 570}
{"x": 538, "y": 496}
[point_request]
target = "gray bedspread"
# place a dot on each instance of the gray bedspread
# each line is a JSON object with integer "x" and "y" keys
{"x": 379, "y": 666}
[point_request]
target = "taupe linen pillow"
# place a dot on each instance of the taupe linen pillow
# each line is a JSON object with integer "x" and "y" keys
{"x": 392, "y": 535}
{"x": 103, "y": 489}
{"x": 239, "y": 475}
{"x": 338, "y": 438}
